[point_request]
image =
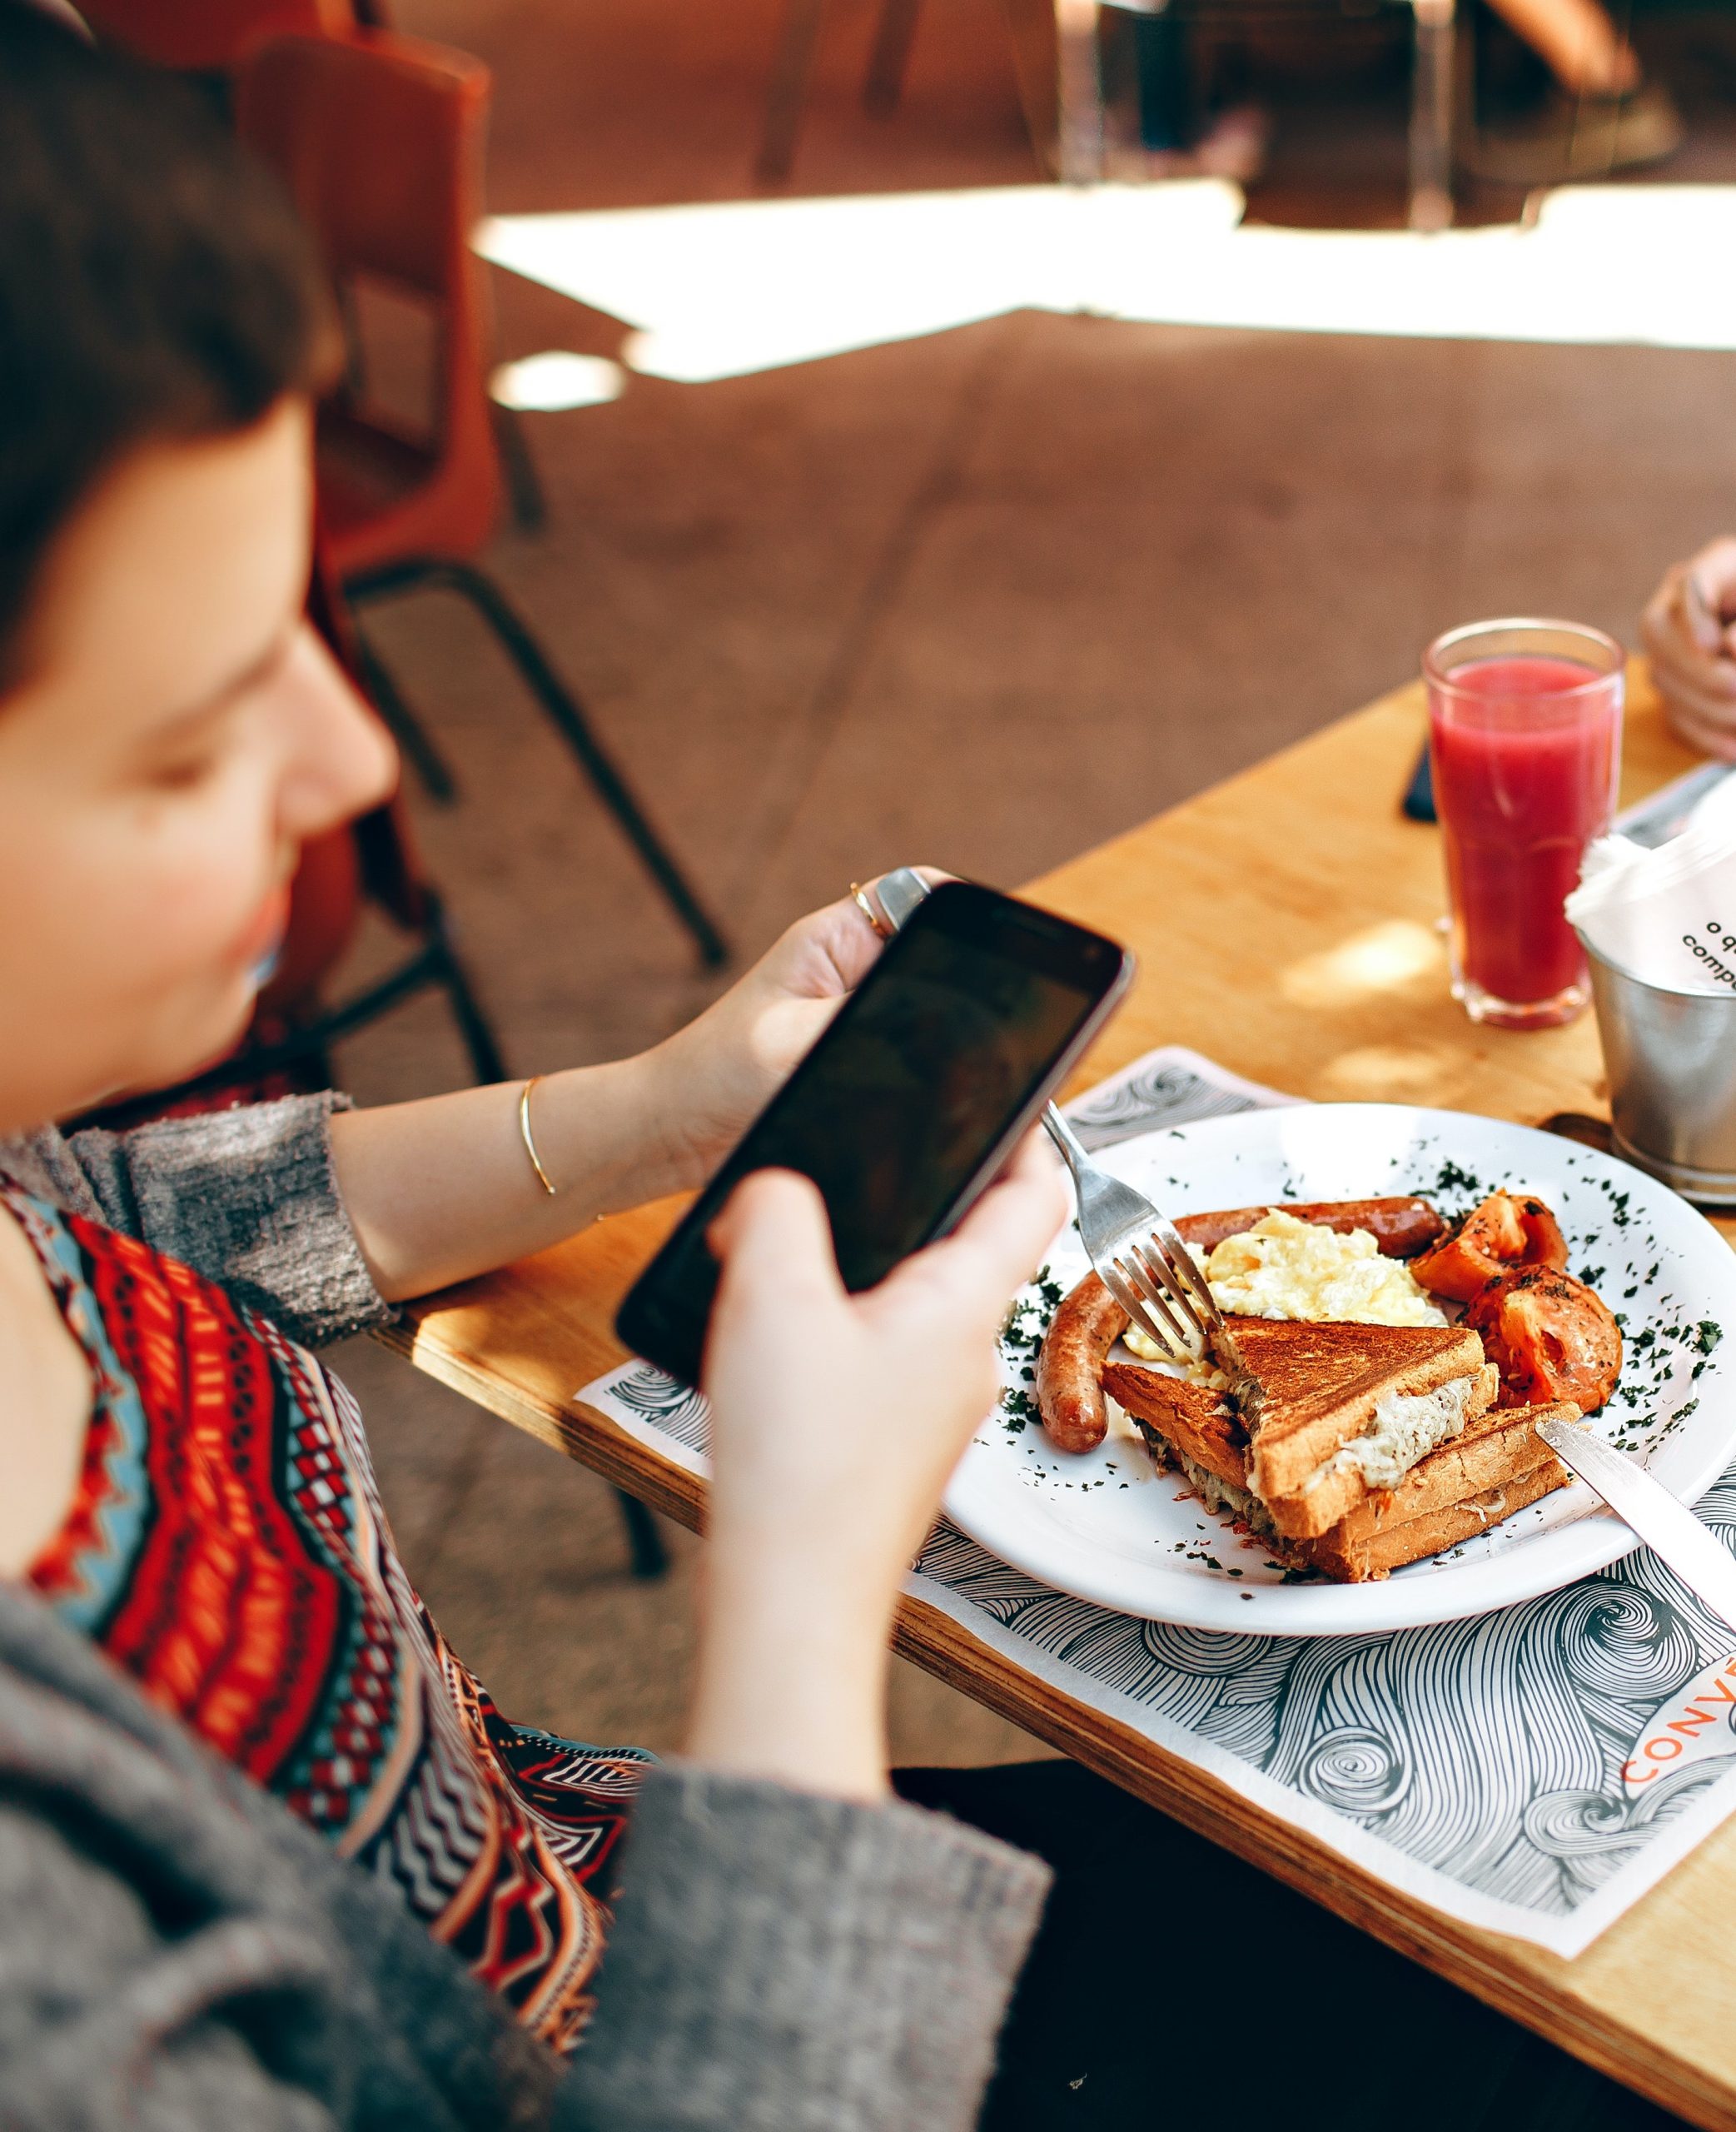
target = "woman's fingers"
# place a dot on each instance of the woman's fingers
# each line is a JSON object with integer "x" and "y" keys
{"x": 1711, "y": 736}
{"x": 1687, "y": 641}
{"x": 830, "y": 951}
{"x": 773, "y": 1238}
{"x": 851, "y": 945}
{"x": 1679, "y": 665}
{"x": 774, "y": 1231}
{"x": 1714, "y": 571}
{"x": 1688, "y": 695}
{"x": 1677, "y": 635}
{"x": 1709, "y": 689}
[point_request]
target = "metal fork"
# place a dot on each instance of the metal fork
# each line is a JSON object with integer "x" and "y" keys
{"x": 1138, "y": 1254}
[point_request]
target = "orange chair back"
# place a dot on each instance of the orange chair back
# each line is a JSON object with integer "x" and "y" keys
{"x": 380, "y": 139}
{"x": 208, "y": 36}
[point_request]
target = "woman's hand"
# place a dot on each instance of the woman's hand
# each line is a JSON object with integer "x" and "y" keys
{"x": 1691, "y": 648}
{"x": 837, "y": 1421}
{"x": 721, "y": 1070}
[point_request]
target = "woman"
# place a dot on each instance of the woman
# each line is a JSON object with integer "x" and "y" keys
{"x": 251, "y": 1807}
{"x": 191, "y": 1544}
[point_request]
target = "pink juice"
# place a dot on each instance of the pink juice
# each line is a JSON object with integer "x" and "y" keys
{"x": 1527, "y": 750}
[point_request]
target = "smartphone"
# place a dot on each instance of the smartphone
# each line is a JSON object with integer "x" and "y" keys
{"x": 909, "y": 1102}
{"x": 1418, "y": 803}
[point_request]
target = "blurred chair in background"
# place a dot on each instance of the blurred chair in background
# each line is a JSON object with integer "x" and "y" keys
{"x": 882, "y": 85}
{"x": 380, "y": 139}
{"x": 208, "y": 37}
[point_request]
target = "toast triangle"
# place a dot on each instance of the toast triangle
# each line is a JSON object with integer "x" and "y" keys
{"x": 1303, "y": 1391}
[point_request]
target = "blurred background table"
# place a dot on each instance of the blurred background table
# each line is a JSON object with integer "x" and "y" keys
{"x": 1286, "y": 923}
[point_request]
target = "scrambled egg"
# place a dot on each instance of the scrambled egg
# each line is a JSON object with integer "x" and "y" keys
{"x": 1282, "y": 1267}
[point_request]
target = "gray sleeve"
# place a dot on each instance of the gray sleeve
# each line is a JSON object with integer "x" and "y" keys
{"x": 248, "y": 1197}
{"x": 784, "y": 1963}
{"x": 103, "y": 2025}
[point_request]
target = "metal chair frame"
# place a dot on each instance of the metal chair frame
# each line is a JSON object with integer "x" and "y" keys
{"x": 565, "y": 712}
{"x": 883, "y": 84}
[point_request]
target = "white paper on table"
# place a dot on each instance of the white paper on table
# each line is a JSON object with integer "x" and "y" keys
{"x": 1462, "y": 1763}
{"x": 1667, "y": 914}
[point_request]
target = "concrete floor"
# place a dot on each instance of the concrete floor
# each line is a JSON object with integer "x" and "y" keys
{"x": 983, "y": 599}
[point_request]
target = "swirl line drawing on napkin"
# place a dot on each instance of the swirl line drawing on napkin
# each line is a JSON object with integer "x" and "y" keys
{"x": 1489, "y": 1749}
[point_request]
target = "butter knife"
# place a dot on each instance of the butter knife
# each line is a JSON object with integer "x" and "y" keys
{"x": 1670, "y": 1528}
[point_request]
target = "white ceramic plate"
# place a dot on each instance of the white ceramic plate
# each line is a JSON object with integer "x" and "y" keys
{"x": 1107, "y": 1527}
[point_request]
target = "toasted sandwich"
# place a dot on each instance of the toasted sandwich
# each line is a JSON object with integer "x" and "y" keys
{"x": 1498, "y": 1466}
{"x": 1333, "y": 1412}
{"x": 1494, "y": 1464}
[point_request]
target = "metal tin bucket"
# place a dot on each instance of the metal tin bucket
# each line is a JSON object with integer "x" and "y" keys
{"x": 1671, "y": 1060}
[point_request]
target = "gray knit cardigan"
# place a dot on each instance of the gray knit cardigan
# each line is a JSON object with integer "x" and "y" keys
{"x": 177, "y": 1951}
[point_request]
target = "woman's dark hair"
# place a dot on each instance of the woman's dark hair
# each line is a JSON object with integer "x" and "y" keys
{"x": 154, "y": 284}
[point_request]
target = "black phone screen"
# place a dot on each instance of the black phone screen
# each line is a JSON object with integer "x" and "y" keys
{"x": 912, "y": 1094}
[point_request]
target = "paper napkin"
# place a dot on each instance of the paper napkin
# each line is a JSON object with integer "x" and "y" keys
{"x": 1667, "y": 914}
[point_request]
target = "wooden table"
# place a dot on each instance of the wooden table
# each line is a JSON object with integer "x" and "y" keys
{"x": 1285, "y": 925}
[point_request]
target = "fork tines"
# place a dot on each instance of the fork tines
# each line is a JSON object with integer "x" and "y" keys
{"x": 1159, "y": 1278}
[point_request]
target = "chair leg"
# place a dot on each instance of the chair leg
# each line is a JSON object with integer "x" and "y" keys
{"x": 563, "y": 709}
{"x": 1031, "y": 109}
{"x": 891, "y": 56}
{"x": 523, "y": 484}
{"x": 649, "y": 1557}
{"x": 789, "y": 92}
{"x": 1079, "y": 85}
{"x": 1431, "y": 117}
{"x": 486, "y": 1065}
{"x": 406, "y": 729}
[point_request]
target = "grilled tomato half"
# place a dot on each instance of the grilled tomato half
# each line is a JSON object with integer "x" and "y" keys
{"x": 1507, "y": 1232}
{"x": 1549, "y": 1337}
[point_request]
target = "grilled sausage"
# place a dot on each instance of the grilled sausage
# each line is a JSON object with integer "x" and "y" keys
{"x": 1401, "y": 1227}
{"x": 1070, "y": 1366}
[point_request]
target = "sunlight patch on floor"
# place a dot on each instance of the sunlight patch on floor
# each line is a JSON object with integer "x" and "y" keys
{"x": 724, "y": 290}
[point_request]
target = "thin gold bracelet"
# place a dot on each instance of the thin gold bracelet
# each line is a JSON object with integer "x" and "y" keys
{"x": 542, "y": 1175}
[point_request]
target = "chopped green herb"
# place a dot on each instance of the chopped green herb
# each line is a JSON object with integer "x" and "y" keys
{"x": 1016, "y": 1409}
{"x": 1452, "y": 1179}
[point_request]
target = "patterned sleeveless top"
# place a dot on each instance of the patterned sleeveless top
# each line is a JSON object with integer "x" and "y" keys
{"x": 227, "y": 1547}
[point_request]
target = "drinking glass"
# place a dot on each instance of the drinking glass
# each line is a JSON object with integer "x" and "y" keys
{"x": 1524, "y": 733}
